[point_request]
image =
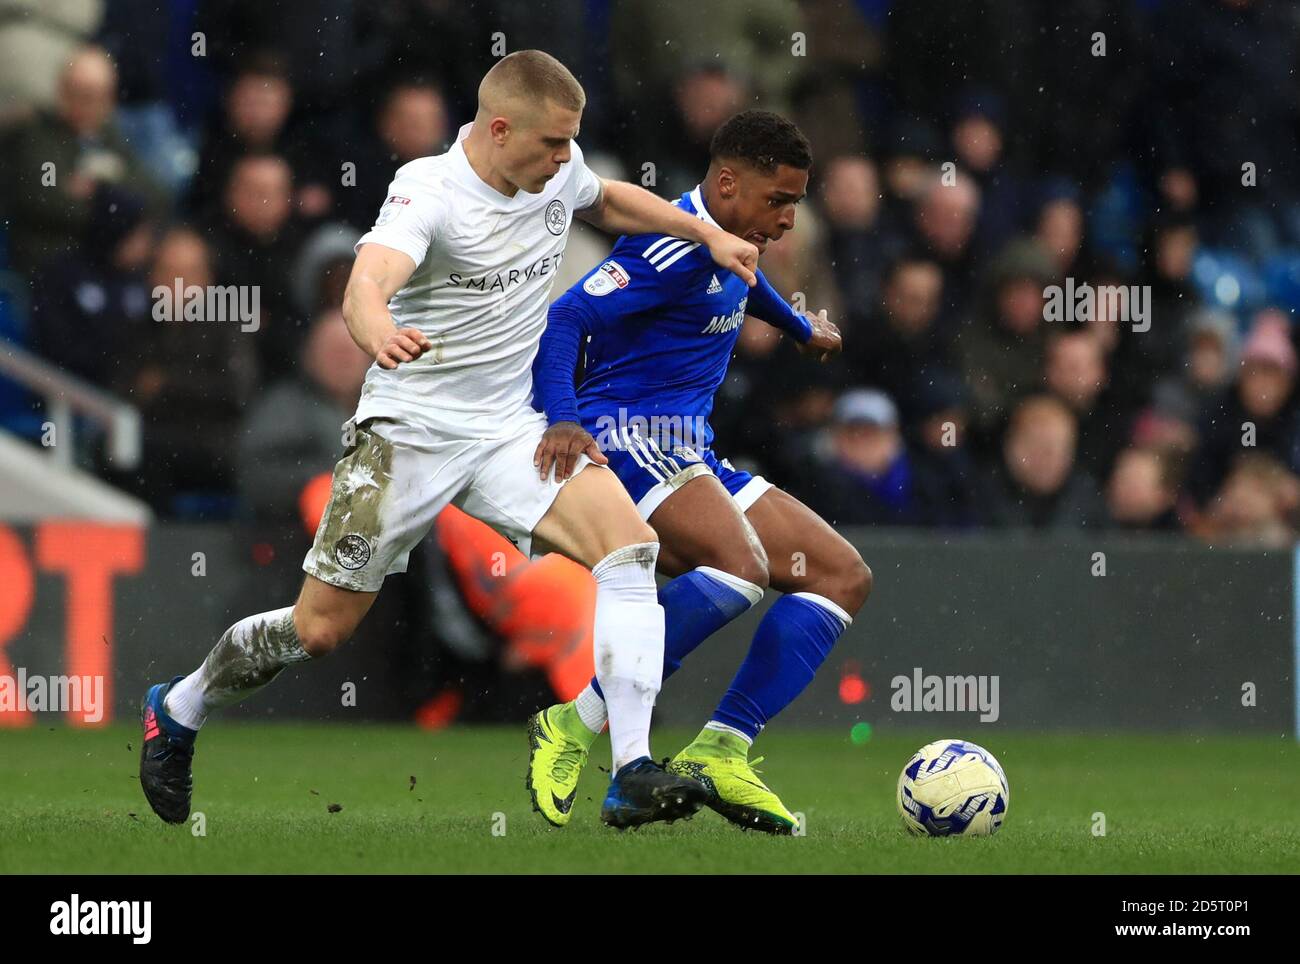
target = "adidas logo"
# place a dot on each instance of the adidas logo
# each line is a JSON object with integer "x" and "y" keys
{"x": 714, "y": 287}
{"x": 150, "y": 724}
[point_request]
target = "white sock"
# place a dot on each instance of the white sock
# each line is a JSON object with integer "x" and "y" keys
{"x": 629, "y": 646}
{"x": 591, "y": 709}
{"x": 248, "y": 655}
{"x": 185, "y": 703}
{"x": 829, "y": 605}
{"x": 724, "y": 728}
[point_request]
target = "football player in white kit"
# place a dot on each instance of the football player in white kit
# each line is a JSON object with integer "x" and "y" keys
{"x": 449, "y": 295}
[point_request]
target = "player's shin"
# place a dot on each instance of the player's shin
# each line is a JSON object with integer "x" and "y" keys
{"x": 696, "y": 605}
{"x": 792, "y": 641}
{"x": 249, "y": 655}
{"x": 629, "y": 646}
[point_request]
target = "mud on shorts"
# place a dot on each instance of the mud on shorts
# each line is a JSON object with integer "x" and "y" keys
{"x": 396, "y": 477}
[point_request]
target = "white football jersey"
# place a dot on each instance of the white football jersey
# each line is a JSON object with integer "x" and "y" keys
{"x": 484, "y": 268}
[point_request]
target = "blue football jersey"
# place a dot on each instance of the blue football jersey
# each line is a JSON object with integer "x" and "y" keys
{"x": 659, "y": 321}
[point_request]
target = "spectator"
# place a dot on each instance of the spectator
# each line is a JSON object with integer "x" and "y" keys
{"x": 1142, "y": 493}
{"x": 979, "y": 145}
{"x": 941, "y": 414}
{"x": 901, "y": 345}
{"x": 868, "y": 477}
{"x": 1256, "y": 413}
{"x": 678, "y": 147}
{"x": 1075, "y": 372}
{"x": 858, "y": 242}
{"x": 944, "y": 224}
{"x": 1037, "y": 485}
{"x": 912, "y": 151}
{"x": 650, "y": 54}
{"x": 37, "y": 38}
{"x": 258, "y": 105}
{"x": 1210, "y": 360}
{"x": 320, "y": 272}
{"x": 1060, "y": 226}
{"x": 89, "y": 305}
{"x": 1255, "y": 506}
{"x": 412, "y": 122}
{"x": 186, "y": 375}
{"x": 837, "y": 98}
{"x": 293, "y": 432}
{"x": 1168, "y": 422}
{"x": 1212, "y": 351}
{"x": 1001, "y": 352}
{"x": 1172, "y": 244}
{"x": 258, "y": 238}
{"x": 57, "y": 160}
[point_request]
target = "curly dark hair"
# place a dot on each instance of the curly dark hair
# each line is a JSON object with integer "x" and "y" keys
{"x": 762, "y": 139}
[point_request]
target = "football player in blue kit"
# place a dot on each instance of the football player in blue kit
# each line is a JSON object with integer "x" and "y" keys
{"x": 659, "y": 322}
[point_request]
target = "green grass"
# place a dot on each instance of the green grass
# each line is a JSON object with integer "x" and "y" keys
{"x": 70, "y": 802}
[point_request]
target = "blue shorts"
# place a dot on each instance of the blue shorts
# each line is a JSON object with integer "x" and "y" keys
{"x": 651, "y": 475}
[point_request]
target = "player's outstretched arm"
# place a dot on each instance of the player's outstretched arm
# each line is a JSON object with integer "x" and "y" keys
{"x": 378, "y": 274}
{"x": 553, "y": 391}
{"x": 627, "y": 209}
{"x": 815, "y": 335}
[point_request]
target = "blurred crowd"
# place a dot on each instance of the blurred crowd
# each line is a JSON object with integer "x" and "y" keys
{"x": 969, "y": 158}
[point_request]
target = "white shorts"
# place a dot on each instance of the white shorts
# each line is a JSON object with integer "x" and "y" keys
{"x": 394, "y": 480}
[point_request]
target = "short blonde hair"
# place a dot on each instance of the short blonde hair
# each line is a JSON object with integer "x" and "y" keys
{"x": 532, "y": 76}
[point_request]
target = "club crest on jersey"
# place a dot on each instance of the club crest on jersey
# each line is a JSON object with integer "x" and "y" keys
{"x": 352, "y": 551}
{"x": 610, "y": 276}
{"x": 556, "y": 217}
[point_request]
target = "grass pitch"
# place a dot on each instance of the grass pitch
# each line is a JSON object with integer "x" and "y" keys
{"x": 70, "y": 802}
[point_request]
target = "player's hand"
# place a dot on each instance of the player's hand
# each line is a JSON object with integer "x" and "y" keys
{"x": 560, "y": 446}
{"x": 736, "y": 255}
{"x": 825, "y": 340}
{"x": 403, "y": 345}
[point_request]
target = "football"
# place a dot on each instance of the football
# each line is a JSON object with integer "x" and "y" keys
{"x": 953, "y": 787}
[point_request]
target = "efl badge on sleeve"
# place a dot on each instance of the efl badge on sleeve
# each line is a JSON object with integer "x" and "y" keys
{"x": 610, "y": 276}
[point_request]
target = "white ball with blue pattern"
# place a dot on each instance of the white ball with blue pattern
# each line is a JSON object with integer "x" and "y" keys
{"x": 953, "y": 787}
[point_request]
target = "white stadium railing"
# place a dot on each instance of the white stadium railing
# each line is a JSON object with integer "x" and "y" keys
{"x": 66, "y": 396}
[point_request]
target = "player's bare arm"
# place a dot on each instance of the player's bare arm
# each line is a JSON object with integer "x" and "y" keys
{"x": 627, "y": 209}
{"x": 379, "y": 273}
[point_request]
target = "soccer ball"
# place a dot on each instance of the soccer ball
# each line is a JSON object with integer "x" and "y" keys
{"x": 952, "y": 787}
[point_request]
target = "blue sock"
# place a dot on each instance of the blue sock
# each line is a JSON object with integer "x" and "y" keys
{"x": 696, "y": 605}
{"x": 792, "y": 641}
